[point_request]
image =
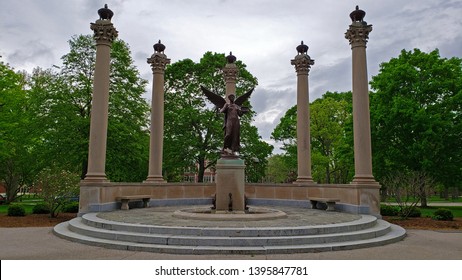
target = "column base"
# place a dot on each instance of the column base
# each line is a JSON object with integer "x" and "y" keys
{"x": 364, "y": 180}
{"x": 154, "y": 180}
{"x": 304, "y": 180}
{"x": 95, "y": 178}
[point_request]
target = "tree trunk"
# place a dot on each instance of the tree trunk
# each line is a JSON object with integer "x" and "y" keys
{"x": 11, "y": 182}
{"x": 423, "y": 194}
{"x": 328, "y": 174}
{"x": 200, "y": 175}
{"x": 446, "y": 193}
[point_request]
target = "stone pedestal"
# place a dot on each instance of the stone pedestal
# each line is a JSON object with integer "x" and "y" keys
{"x": 230, "y": 179}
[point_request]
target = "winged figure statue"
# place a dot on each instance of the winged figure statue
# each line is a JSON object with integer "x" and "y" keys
{"x": 232, "y": 110}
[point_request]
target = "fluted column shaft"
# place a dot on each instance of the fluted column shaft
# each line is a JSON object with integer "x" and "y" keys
{"x": 357, "y": 34}
{"x": 303, "y": 64}
{"x": 104, "y": 34}
{"x": 158, "y": 63}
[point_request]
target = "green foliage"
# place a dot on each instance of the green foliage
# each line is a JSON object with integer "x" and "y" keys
{"x": 60, "y": 104}
{"x": 58, "y": 187}
{"x": 416, "y": 116}
{"x": 193, "y": 130}
{"x": 15, "y": 139}
{"x": 406, "y": 188}
{"x": 41, "y": 208}
{"x": 443, "y": 215}
{"x": 281, "y": 170}
{"x": 331, "y": 138}
{"x": 71, "y": 207}
{"x": 413, "y": 213}
{"x": 389, "y": 210}
{"x": 16, "y": 210}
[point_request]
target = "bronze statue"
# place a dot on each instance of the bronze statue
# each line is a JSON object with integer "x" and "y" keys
{"x": 232, "y": 110}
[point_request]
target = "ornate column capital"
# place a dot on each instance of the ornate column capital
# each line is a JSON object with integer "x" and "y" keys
{"x": 302, "y": 63}
{"x": 230, "y": 70}
{"x": 158, "y": 59}
{"x": 158, "y": 62}
{"x": 358, "y": 34}
{"x": 104, "y": 32}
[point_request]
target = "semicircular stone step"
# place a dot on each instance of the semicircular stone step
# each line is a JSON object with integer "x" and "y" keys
{"x": 76, "y": 225}
{"x": 392, "y": 234}
{"x": 364, "y": 222}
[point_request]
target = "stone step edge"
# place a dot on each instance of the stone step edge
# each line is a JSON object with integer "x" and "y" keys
{"x": 366, "y": 221}
{"x": 381, "y": 228}
{"x": 396, "y": 234}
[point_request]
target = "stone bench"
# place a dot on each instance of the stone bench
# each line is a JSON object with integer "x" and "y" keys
{"x": 330, "y": 202}
{"x": 125, "y": 199}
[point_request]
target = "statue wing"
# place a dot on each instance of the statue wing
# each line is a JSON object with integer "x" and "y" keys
{"x": 217, "y": 100}
{"x": 241, "y": 99}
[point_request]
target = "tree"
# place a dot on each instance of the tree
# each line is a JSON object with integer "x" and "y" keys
{"x": 416, "y": 113}
{"x": 15, "y": 141}
{"x": 193, "y": 132}
{"x": 255, "y": 153}
{"x": 58, "y": 187}
{"x": 331, "y": 138}
{"x": 62, "y": 106}
{"x": 279, "y": 170}
{"x": 285, "y": 132}
{"x": 407, "y": 187}
{"x": 329, "y": 118}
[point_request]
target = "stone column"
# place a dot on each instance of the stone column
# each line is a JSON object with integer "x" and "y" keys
{"x": 158, "y": 62}
{"x": 303, "y": 64}
{"x": 358, "y": 34}
{"x": 230, "y": 72}
{"x": 104, "y": 34}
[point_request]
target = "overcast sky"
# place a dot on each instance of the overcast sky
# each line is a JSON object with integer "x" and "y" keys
{"x": 262, "y": 34}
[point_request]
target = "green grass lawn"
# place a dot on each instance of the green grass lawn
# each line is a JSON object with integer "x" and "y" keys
{"x": 28, "y": 207}
{"x": 428, "y": 211}
{"x": 28, "y": 201}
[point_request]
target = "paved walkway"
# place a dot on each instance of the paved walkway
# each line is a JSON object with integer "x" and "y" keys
{"x": 42, "y": 244}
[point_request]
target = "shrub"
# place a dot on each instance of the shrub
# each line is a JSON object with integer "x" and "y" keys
{"x": 389, "y": 210}
{"x": 72, "y": 207}
{"x": 41, "y": 208}
{"x": 414, "y": 213}
{"x": 442, "y": 214}
{"x": 58, "y": 187}
{"x": 16, "y": 210}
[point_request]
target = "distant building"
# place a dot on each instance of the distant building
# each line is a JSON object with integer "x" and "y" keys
{"x": 192, "y": 175}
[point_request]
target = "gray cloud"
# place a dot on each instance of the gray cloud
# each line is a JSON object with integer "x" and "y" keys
{"x": 33, "y": 53}
{"x": 261, "y": 33}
